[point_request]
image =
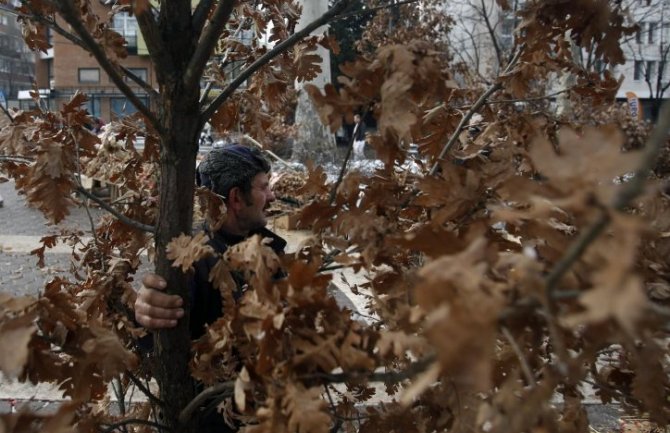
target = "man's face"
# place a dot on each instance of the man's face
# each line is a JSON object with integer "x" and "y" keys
{"x": 252, "y": 215}
{"x": 357, "y": 118}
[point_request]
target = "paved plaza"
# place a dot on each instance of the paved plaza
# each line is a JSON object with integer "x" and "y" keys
{"x": 21, "y": 229}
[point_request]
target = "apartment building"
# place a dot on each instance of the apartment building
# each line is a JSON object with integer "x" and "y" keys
{"x": 646, "y": 72}
{"x": 67, "y": 68}
{"x": 17, "y": 62}
{"x": 483, "y": 32}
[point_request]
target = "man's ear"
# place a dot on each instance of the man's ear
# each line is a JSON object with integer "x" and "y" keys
{"x": 235, "y": 198}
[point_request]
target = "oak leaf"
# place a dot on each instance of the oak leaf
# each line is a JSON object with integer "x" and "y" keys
{"x": 306, "y": 409}
{"x": 185, "y": 250}
{"x": 14, "y": 339}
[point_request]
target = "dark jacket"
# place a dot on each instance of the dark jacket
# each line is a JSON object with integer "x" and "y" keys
{"x": 207, "y": 307}
{"x": 206, "y": 299}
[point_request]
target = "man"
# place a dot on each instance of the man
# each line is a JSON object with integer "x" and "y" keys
{"x": 240, "y": 175}
{"x": 359, "y": 137}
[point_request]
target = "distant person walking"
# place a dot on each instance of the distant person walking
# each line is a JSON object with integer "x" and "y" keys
{"x": 359, "y": 137}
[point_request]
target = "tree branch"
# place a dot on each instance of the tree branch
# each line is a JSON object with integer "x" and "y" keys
{"x": 111, "y": 427}
{"x": 74, "y": 19}
{"x": 343, "y": 169}
{"x": 160, "y": 56}
{"x": 492, "y": 33}
{"x": 374, "y": 9}
{"x": 226, "y": 388}
{"x": 269, "y": 152}
{"x": 7, "y": 113}
{"x": 146, "y": 391}
{"x": 121, "y": 217}
{"x": 140, "y": 82}
{"x": 13, "y": 158}
{"x": 200, "y": 13}
{"x": 214, "y": 390}
{"x": 475, "y": 107}
{"x": 207, "y": 42}
{"x": 278, "y": 49}
{"x": 525, "y": 368}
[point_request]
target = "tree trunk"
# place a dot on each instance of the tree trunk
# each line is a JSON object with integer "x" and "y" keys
{"x": 177, "y": 177}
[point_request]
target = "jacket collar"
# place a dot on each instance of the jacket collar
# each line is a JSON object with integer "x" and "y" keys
{"x": 277, "y": 243}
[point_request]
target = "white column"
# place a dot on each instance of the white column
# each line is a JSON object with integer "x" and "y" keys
{"x": 313, "y": 141}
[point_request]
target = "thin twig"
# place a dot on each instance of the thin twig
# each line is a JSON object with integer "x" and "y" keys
{"x": 374, "y": 9}
{"x": 525, "y": 368}
{"x": 145, "y": 389}
{"x": 475, "y": 107}
{"x": 385, "y": 377}
{"x": 537, "y": 98}
{"x": 269, "y": 152}
{"x": 343, "y": 169}
{"x": 121, "y": 217}
{"x": 117, "y": 387}
{"x": 140, "y": 82}
{"x": 207, "y": 42}
{"x": 278, "y": 49}
{"x": 214, "y": 390}
{"x": 336, "y": 426}
{"x": 111, "y": 427}
{"x": 85, "y": 203}
{"x": 9, "y": 115}
{"x": 13, "y": 158}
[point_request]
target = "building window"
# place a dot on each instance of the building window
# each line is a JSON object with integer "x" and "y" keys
{"x": 640, "y": 31}
{"x": 93, "y": 105}
{"x": 651, "y": 71}
{"x": 4, "y": 20}
{"x": 126, "y": 25}
{"x": 661, "y": 70}
{"x": 89, "y": 75}
{"x": 121, "y": 107}
{"x": 141, "y": 73}
{"x": 638, "y": 72}
{"x": 652, "y": 32}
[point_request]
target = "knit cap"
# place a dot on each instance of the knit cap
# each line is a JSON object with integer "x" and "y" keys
{"x": 231, "y": 166}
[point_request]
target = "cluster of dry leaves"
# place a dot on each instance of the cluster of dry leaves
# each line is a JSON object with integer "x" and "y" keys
{"x": 493, "y": 310}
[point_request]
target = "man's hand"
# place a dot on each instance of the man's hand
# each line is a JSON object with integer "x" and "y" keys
{"x": 155, "y": 309}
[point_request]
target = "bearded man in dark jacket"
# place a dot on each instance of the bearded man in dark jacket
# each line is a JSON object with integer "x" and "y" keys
{"x": 240, "y": 176}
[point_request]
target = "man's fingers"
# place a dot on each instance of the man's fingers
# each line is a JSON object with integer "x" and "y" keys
{"x": 159, "y": 299}
{"x": 152, "y": 323}
{"x": 154, "y": 311}
{"x": 154, "y": 281}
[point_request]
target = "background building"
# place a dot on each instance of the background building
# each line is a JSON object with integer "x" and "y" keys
{"x": 66, "y": 68}
{"x": 483, "y": 36}
{"x": 17, "y": 62}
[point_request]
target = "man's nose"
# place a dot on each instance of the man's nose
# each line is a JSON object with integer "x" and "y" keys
{"x": 271, "y": 196}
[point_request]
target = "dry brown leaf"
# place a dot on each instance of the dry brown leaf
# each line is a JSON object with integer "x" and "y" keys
{"x": 185, "y": 250}
{"x": 14, "y": 341}
{"x": 306, "y": 409}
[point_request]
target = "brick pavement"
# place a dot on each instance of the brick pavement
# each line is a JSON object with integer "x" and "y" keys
{"x": 21, "y": 227}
